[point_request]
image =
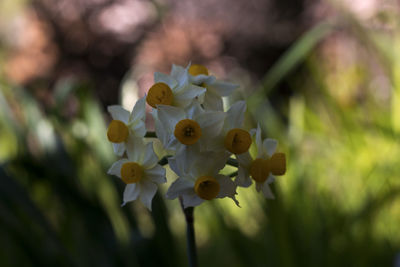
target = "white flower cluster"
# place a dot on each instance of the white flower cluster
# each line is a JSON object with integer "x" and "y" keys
{"x": 199, "y": 137}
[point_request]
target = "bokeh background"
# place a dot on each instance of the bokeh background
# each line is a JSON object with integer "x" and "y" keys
{"x": 322, "y": 77}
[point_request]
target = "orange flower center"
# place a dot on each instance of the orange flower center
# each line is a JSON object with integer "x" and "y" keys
{"x": 237, "y": 141}
{"x": 206, "y": 187}
{"x": 131, "y": 172}
{"x": 159, "y": 94}
{"x": 278, "y": 164}
{"x": 260, "y": 169}
{"x": 117, "y": 131}
{"x": 196, "y": 69}
{"x": 187, "y": 131}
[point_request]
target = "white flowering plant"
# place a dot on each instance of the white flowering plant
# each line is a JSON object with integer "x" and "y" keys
{"x": 200, "y": 139}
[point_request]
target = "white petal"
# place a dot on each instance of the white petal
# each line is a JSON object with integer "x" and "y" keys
{"x": 182, "y": 162}
{"x": 115, "y": 169}
{"x": 243, "y": 178}
{"x": 176, "y": 166}
{"x": 131, "y": 193}
{"x": 190, "y": 91}
{"x": 161, "y": 132}
{"x": 227, "y": 188}
{"x": 223, "y": 88}
{"x": 164, "y": 78}
{"x": 235, "y": 116}
{"x": 214, "y": 144}
{"x": 180, "y": 74}
{"x": 266, "y": 190}
{"x": 270, "y": 179}
{"x": 139, "y": 129}
{"x": 200, "y": 98}
{"x": 159, "y": 149}
{"x": 169, "y": 116}
{"x": 211, "y": 123}
{"x": 194, "y": 110}
{"x": 212, "y": 101}
{"x": 147, "y": 192}
{"x": 244, "y": 159}
{"x": 174, "y": 145}
{"x": 156, "y": 174}
{"x": 135, "y": 149}
{"x": 193, "y": 161}
{"x": 259, "y": 142}
{"x": 191, "y": 200}
{"x": 179, "y": 187}
{"x": 119, "y": 148}
{"x": 199, "y": 79}
{"x": 139, "y": 110}
{"x": 269, "y": 146}
{"x": 208, "y": 163}
{"x": 119, "y": 113}
{"x": 186, "y": 96}
{"x": 150, "y": 159}
{"x": 182, "y": 103}
{"x": 177, "y": 71}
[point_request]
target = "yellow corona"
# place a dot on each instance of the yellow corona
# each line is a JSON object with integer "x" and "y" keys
{"x": 117, "y": 131}
{"x": 278, "y": 164}
{"x": 237, "y": 141}
{"x": 260, "y": 169}
{"x": 187, "y": 131}
{"x": 159, "y": 94}
{"x": 131, "y": 172}
{"x": 207, "y": 187}
{"x": 196, "y": 69}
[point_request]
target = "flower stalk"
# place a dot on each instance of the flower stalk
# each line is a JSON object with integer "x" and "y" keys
{"x": 190, "y": 235}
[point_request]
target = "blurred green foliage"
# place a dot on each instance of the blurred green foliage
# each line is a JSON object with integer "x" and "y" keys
{"x": 58, "y": 205}
{"x": 337, "y": 205}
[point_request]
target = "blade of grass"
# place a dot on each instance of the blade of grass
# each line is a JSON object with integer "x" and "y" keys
{"x": 294, "y": 56}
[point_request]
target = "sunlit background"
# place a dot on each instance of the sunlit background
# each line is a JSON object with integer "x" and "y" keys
{"x": 322, "y": 77}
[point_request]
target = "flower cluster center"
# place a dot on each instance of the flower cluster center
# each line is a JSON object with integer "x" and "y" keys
{"x": 207, "y": 187}
{"x": 187, "y": 131}
{"x": 131, "y": 172}
{"x": 117, "y": 131}
{"x": 237, "y": 141}
{"x": 159, "y": 94}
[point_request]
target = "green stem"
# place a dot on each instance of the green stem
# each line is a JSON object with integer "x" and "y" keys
{"x": 191, "y": 242}
{"x": 232, "y": 162}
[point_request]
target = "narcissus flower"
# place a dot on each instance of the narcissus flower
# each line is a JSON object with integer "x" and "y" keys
{"x": 177, "y": 128}
{"x": 174, "y": 90}
{"x": 125, "y": 124}
{"x": 263, "y": 169}
{"x": 197, "y": 137}
{"x": 140, "y": 171}
{"x": 199, "y": 75}
{"x": 199, "y": 178}
{"x": 233, "y": 137}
